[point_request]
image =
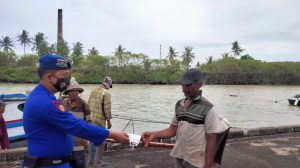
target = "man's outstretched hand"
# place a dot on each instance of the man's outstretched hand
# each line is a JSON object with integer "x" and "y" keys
{"x": 147, "y": 137}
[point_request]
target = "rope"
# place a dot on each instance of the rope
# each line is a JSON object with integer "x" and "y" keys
{"x": 126, "y": 125}
{"x": 138, "y": 119}
{"x": 131, "y": 120}
{"x": 280, "y": 100}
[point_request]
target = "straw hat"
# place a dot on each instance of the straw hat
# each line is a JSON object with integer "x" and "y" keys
{"x": 73, "y": 86}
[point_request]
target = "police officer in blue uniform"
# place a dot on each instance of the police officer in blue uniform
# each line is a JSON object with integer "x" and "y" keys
{"x": 48, "y": 126}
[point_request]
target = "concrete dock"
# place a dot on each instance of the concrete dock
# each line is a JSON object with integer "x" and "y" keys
{"x": 270, "y": 147}
{"x": 276, "y": 151}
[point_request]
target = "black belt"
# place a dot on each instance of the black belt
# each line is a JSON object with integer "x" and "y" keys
{"x": 52, "y": 161}
{"x": 32, "y": 162}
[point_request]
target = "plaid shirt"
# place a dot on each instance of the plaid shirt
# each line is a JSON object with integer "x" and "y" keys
{"x": 100, "y": 105}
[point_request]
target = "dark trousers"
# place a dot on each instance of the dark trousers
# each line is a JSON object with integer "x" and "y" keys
{"x": 77, "y": 159}
{"x": 221, "y": 142}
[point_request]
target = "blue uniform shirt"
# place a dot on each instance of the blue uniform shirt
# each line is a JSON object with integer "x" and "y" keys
{"x": 49, "y": 127}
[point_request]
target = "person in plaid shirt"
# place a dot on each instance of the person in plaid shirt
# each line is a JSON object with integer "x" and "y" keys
{"x": 100, "y": 106}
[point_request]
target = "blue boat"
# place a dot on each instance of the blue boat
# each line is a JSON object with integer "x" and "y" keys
{"x": 13, "y": 116}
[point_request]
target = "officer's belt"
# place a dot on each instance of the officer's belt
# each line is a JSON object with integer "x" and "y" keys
{"x": 53, "y": 161}
{"x": 32, "y": 162}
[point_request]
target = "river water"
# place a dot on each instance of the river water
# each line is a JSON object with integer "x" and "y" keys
{"x": 251, "y": 106}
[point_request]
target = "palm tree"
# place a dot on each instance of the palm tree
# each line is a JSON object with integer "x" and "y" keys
{"x": 225, "y": 55}
{"x": 52, "y": 48}
{"x": 209, "y": 60}
{"x": 40, "y": 44}
{"x": 171, "y": 55}
{"x": 63, "y": 49}
{"x": 77, "y": 54}
{"x": 120, "y": 55}
{"x": 187, "y": 56}
{"x": 236, "y": 48}
{"x": 24, "y": 39}
{"x": 93, "y": 51}
{"x": 7, "y": 44}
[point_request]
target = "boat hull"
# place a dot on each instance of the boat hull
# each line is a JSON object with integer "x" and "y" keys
{"x": 13, "y": 120}
{"x": 294, "y": 101}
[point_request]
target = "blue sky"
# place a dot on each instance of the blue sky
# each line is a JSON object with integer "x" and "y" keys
{"x": 269, "y": 30}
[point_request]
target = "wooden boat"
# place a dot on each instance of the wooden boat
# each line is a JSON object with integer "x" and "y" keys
{"x": 13, "y": 116}
{"x": 295, "y": 100}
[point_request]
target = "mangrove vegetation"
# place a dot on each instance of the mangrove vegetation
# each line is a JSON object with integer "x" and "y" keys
{"x": 124, "y": 66}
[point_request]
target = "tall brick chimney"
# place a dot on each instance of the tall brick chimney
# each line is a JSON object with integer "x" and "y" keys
{"x": 59, "y": 30}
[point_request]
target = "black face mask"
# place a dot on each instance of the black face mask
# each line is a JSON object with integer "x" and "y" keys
{"x": 59, "y": 81}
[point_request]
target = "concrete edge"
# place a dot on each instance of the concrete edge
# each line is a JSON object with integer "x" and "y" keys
{"x": 9, "y": 155}
{"x": 262, "y": 131}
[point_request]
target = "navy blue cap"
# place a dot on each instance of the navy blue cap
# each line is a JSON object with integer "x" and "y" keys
{"x": 54, "y": 62}
{"x": 191, "y": 76}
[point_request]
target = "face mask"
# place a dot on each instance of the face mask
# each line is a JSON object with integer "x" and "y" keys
{"x": 65, "y": 80}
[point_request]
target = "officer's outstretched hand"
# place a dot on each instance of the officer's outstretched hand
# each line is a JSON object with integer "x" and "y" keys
{"x": 147, "y": 137}
{"x": 119, "y": 136}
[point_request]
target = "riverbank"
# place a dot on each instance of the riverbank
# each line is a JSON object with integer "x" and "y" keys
{"x": 242, "y": 143}
{"x": 225, "y": 71}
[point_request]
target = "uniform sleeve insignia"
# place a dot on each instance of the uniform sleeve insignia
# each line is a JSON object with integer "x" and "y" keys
{"x": 59, "y": 106}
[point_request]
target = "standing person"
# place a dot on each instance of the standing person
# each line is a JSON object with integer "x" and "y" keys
{"x": 195, "y": 124}
{"x": 80, "y": 109}
{"x": 75, "y": 104}
{"x": 4, "y": 143}
{"x": 100, "y": 104}
{"x": 49, "y": 126}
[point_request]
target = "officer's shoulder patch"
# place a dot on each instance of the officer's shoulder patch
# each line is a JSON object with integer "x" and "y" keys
{"x": 59, "y": 105}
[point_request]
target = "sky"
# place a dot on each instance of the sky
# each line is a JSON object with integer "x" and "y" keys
{"x": 269, "y": 30}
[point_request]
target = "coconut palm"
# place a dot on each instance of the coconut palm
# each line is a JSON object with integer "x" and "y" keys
{"x": 187, "y": 56}
{"x": 209, "y": 60}
{"x": 63, "y": 49}
{"x": 40, "y": 44}
{"x": 236, "y": 48}
{"x": 120, "y": 55}
{"x": 24, "y": 39}
{"x": 93, "y": 51}
{"x": 6, "y": 43}
{"x": 225, "y": 55}
{"x": 77, "y": 54}
{"x": 171, "y": 55}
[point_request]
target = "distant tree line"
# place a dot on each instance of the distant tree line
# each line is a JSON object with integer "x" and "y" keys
{"x": 128, "y": 67}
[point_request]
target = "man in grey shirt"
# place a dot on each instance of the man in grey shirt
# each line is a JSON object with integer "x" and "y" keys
{"x": 195, "y": 124}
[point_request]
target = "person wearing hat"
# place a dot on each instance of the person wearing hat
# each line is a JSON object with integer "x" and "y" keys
{"x": 100, "y": 104}
{"x": 195, "y": 124}
{"x": 75, "y": 104}
{"x": 49, "y": 127}
{"x": 4, "y": 142}
{"x": 80, "y": 109}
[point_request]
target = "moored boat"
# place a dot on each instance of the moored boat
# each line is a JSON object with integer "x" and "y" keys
{"x": 295, "y": 100}
{"x": 13, "y": 116}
